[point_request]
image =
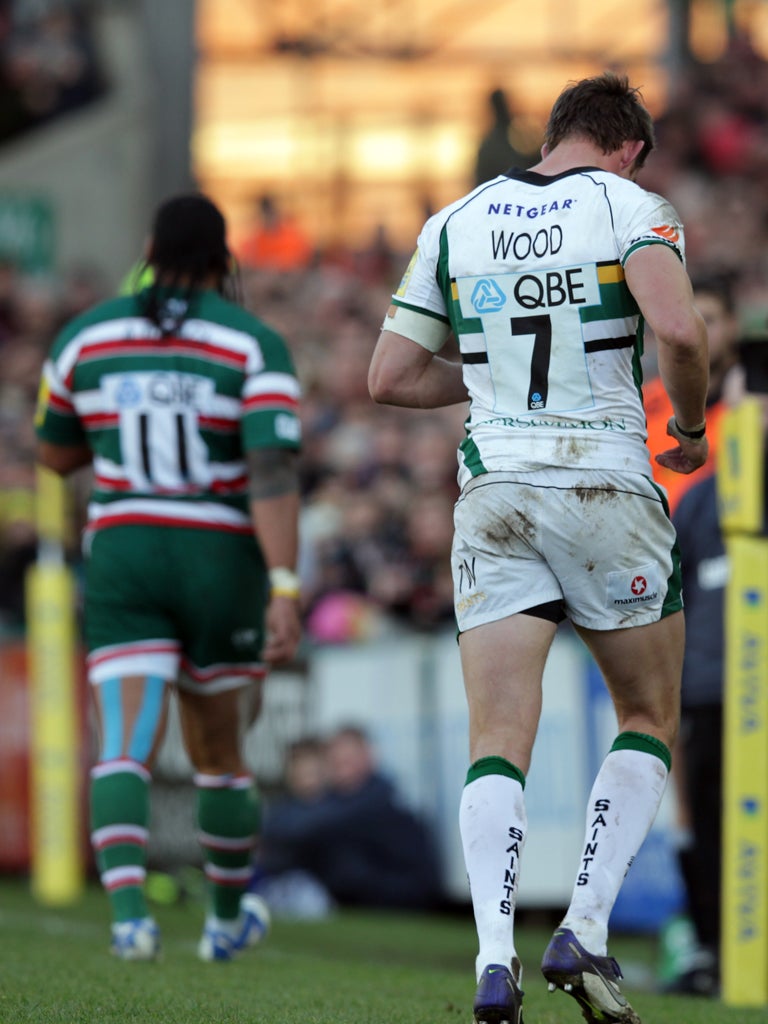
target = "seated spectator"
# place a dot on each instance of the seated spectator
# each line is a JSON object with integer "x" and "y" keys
{"x": 356, "y": 838}
{"x": 289, "y": 890}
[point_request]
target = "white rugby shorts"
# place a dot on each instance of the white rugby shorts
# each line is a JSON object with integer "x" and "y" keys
{"x": 599, "y": 541}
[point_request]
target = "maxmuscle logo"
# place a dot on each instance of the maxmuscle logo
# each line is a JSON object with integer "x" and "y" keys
{"x": 638, "y": 586}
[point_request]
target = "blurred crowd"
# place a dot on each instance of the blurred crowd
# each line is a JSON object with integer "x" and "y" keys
{"x": 48, "y": 62}
{"x": 379, "y": 484}
{"x": 712, "y": 165}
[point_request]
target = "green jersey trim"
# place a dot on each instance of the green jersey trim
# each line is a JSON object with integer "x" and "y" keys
{"x": 420, "y": 310}
{"x": 649, "y": 241}
{"x": 471, "y": 456}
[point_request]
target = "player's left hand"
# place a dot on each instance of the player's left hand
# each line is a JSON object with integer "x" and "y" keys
{"x": 283, "y": 630}
{"x": 690, "y": 454}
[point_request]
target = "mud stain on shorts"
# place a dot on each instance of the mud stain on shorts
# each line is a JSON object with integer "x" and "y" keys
{"x": 589, "y": 495}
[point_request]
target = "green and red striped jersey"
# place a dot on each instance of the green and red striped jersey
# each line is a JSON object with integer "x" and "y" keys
{"x": 169, "y": 418}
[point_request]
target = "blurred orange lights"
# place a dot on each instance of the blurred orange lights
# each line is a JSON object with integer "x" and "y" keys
{"x": 357, "y": 115}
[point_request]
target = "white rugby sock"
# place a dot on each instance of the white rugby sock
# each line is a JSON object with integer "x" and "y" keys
{"x": 622, "y": 806}
{"x": 493, "y": 825}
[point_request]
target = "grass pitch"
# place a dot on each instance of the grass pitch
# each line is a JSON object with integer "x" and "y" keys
{"x": 354, "y": 968}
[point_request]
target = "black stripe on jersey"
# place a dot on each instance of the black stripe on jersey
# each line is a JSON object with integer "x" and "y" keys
{"x": 144, "y": 441}
{"x": 183, "y": 463}
{"x": 604, "y": 344}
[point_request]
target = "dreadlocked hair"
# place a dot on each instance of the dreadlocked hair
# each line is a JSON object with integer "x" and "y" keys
{"x": 189, "y": 244}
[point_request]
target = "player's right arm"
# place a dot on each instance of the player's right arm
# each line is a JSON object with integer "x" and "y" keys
{"x": 61, "y": 442}
{"x": 271, "y": 435}
{"x": 406, "y": 368}
{"x": 63, "y": 459}
{"x": 274, "y": 501}
{"x": 403, "y": 372}
{"x": 660, "y": 285}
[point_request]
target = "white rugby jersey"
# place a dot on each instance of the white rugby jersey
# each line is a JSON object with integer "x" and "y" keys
{"x": 528, "y": 271}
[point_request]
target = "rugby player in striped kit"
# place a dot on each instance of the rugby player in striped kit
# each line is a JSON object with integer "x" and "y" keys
{"x": 186, "y": 406}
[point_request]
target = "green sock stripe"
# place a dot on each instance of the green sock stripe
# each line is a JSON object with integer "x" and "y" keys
{"x": 646, "y": 744}
{"x": 121, "y": 855}
{"x": 494, "y": 766}
{"x": 128, "y": 903}
{"x": 228, "y": 859}
{"x": 121, "y": 798}
{"x": 227, "y": 814}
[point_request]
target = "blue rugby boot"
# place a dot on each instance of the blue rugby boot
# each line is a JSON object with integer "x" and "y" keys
{"x": 223, "y": 940}
{"x": 137, "y": 939}
{"x": 591, "y": 980}
{"x": 499, "y": 998}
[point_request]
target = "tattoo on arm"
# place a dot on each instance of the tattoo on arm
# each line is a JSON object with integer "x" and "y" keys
{"x": 272, "y": 472}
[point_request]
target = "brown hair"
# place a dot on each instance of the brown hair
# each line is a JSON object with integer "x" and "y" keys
{"x": 604, "y": 109}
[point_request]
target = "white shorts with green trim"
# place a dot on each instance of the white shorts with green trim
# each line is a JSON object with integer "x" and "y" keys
{"x": 598, "y": 541}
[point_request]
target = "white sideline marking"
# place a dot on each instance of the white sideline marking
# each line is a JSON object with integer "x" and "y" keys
{"x": 49, "y": 923}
